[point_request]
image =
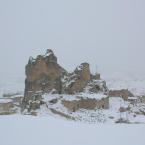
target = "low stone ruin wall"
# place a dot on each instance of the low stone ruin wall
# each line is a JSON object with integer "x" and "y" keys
{"x": 124, "y": 93}
{"x": 87, "y": 103}
{"x": 6, "y": 106}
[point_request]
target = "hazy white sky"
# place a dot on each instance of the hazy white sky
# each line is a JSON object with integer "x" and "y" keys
{"x": 106, "y": 33}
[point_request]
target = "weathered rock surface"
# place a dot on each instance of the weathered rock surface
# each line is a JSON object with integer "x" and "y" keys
{"x": 124, "y": 93}
{"x": 96, "y": 76}
{"x": 86, "y": 103}
{"x": 96, "y": 86}
{"x": 142, "y": 99}
{"x": 78, "y": 80}
{"x": 10, "y": 104}
{"x": 45, "y": 75}
{"x": 6, "y": 106}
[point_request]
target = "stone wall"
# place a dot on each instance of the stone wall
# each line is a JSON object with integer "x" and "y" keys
{"x": 86, "y": 103}
{"x": 6, "y": 106}
{"x": 124, "y": 93}
{"x": 78, "y": 79}
{"x": 142, "y": 99}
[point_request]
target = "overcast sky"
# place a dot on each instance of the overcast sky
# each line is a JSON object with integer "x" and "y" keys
{"x": 109, "y": 34}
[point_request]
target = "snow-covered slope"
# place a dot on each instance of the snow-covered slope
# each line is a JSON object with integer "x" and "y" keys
{"x": 27, "y": 130}
{"x": 136, "y": 84}
{"x": 108, "y": 116}
{"x": 13, "y": 84}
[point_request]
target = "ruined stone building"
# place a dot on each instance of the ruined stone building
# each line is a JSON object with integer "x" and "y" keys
{"x": 45, "y": 75}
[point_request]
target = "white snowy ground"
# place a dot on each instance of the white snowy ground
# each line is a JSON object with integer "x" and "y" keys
{"x": 48, "y": 130}
{"x": 108, "y": 116}
{"x": 27, "y": 130}
{"x": 11, "y": 83}
{"x": 135, "y": 83}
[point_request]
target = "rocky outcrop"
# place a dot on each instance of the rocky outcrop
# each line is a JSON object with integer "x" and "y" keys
{"x": 124, "y": 93}
{"x": 96, "y": 76}
{"x": 96, "y": 86}
{"x": 81, "y": 80}
{"x": 142, "y": 99}
{"x": 78, "y": 80}
{"x": 10, "y": 104}
{"x": 6, "y": 106}
{"x": 86, "y": 103}
{"x": 45, "y": 75}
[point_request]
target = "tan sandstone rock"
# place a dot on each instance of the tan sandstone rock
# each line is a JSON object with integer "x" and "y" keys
{"x": 43, "y": 74}
{"x": 124, "y": 93}
{"x": 86, "y": 103}
{"x": 79, "y": 79}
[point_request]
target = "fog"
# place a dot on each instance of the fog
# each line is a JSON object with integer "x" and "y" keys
{"x": 109, "y": 34}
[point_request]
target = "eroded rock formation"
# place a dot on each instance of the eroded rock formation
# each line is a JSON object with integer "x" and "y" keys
{"x": 124, "y": 93}
{"x": 87, "y": 103}
{"x": 78, "y": 80}
{"x": 45, "y": 75}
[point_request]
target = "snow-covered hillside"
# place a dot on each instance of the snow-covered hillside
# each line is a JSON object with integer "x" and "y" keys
{"x": 14, "y": 84}
{"x": 135, "y": 83}
{"x": 27, "y": 130}
{"x": 132, "y": 115}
